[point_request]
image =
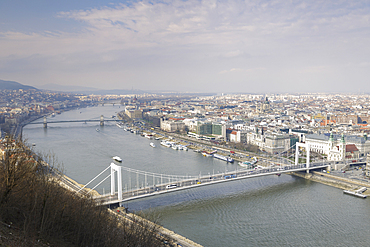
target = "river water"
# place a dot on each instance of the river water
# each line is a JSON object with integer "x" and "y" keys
{"x": 266, "y": 211}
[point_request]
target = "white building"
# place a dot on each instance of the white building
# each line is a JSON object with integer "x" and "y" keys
{"x": 338, "y": 147}
{"x": 271, "y": 142}
{"x": 172, "y": 126}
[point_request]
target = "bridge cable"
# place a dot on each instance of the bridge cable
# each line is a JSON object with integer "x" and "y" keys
{"x": 93, "y": 179}
{"x": 99, "y": 183}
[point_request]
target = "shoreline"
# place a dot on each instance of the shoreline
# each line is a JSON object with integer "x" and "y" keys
{"x": 166, "y": 234}
{"x": 333, "y": 181}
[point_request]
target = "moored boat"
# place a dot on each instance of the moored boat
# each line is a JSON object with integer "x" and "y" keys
{"x": 245, "y": 164}
{"x": 204, "y": 153}
{"x": 225, "y": 158}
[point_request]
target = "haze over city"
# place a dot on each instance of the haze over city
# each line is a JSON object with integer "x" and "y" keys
{"x": 188, "y": 46}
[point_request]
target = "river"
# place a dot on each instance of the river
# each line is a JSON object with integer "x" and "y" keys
{"x": 265, "y": 211}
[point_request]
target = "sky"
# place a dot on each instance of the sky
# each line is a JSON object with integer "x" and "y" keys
{"x": 228, "y": 46}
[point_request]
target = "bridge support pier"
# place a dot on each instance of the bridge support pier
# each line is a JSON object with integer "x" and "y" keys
{"x": 45, "y": 124}
{"x": 115, "y": 168}
{"x": 101, "y": 120}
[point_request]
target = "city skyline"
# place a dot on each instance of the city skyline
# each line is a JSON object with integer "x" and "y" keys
{"x": 188, "y": 46}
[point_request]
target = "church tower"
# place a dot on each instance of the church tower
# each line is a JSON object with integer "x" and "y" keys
{"x": 342, "y": 147}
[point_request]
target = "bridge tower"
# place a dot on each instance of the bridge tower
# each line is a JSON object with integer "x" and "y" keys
{"x": 101, "y": 120}
{"x": 307, "y": 147}
{"x": 45, "y": 122}
{"x": 115, "y": 168}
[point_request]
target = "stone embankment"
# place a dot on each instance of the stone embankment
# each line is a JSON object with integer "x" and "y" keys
{"x": 333, "y": 180}
{"x": 168, "y": 236}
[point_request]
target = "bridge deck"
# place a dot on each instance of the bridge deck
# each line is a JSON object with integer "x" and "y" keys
{"x": 202, "y": 181}
{"x": 78, "y": 121}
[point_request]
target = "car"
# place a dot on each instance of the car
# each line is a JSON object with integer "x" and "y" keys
{"x": 171, "y": 186}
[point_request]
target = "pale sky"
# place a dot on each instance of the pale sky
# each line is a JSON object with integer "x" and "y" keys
{"x": 188, "y": 46}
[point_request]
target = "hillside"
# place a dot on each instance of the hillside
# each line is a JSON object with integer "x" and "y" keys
{"x": 35, "y": 210}
{"x": 12, "y": 85}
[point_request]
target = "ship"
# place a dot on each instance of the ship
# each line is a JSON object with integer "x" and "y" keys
{"x": 116, "y": 158}
{"x": 152, "y": 145}
{"x": 225, "y": 158}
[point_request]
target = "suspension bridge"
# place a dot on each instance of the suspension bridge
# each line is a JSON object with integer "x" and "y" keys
{"x": 141, "y": 184}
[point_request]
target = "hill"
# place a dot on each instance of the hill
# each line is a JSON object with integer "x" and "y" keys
{"x": 37, "y": 210}
{"x": 88, "y": 90}
{"x": 12, "y": 85}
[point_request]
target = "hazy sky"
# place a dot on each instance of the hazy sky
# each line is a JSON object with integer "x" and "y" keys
{"x": 196, "y": 45}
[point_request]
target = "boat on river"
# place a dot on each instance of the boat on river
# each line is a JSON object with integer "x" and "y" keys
{"x": 118, "y": 159}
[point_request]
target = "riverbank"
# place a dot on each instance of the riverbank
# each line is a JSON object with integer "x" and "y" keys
{"x": 169, "y": 237}
{"x": 334, "y": 181}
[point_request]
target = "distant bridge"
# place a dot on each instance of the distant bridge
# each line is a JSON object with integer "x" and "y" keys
{"x": 101, "y": 121}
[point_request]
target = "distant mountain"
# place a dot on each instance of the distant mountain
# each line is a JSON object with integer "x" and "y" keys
{"x": 12, "y": 85}
{"x": 116, "y": 91}
{"x": 88, "y": 90}
{"x": 66, "y": 88}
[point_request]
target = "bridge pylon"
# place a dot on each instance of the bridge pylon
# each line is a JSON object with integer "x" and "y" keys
{"x": 101, "y": 120}
{"x": 116, "y": 168}
{"x": 45, "y": 124}
{"x": 307, "y": 147}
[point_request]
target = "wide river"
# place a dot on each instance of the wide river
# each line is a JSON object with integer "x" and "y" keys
{"x": 266, "y": 211}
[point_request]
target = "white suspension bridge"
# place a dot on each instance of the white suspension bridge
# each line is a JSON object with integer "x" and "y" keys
{"x": 141, "y": 184}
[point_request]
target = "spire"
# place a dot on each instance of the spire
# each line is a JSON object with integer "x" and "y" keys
{"x": 331, "y": 138}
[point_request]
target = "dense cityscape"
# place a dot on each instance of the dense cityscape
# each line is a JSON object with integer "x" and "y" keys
{"x": 273, "y": 123}
{"x": 268, "y": 126}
